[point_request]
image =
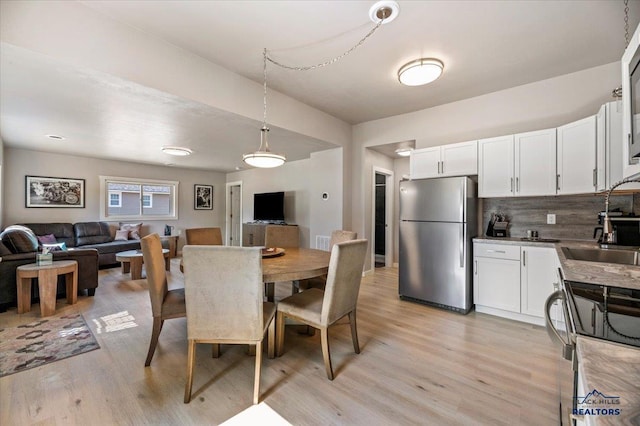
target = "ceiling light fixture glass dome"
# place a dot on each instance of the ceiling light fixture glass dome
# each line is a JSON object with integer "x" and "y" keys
{"x": 177, "y": 151}
{"x": 421, "y": 71}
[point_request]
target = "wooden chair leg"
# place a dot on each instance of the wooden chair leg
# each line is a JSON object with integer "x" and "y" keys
{"x": 256, "y": 382}
{"x": 354, "y": 331}
{"x": 191, "y": 359}
{"x": 271, "y": 339}
{"x": 279, "y": 333}
{"x": 157, "y": 328}
{"x": 324, "y": 339}
{"x": 215, "y": 350}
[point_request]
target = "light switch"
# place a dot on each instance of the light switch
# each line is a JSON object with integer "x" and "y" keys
{"x": 551, "y": 219}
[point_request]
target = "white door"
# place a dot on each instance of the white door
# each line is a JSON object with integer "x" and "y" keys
{"x": 535, "y": 163}
{"x": 459, "y": 159}
{"x": 424, "y": 163}
{"x": 577, "y": 157}
{"x": 538, "y": 277}
{"x": 234, "y": 214}
{"x": 495, "y": 167}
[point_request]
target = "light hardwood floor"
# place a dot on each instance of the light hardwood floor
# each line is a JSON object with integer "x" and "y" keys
{"x": 418, "y": 365}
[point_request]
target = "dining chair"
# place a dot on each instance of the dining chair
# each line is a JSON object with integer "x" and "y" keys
{"x": 337, "y": 236}
{"x": 281, "y": 236}
{"x": 202, "y": 237}
{"x": 321, "y": 309}
{"x": 224, "y": 295}
{"x": 165, "y": 303}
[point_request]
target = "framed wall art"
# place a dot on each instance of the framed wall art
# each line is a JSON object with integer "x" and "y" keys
{"x": 43, "y": 191}
{"x": 203, "y": 197}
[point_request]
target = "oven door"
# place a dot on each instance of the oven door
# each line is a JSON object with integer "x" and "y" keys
{"x": 562, "y": 333}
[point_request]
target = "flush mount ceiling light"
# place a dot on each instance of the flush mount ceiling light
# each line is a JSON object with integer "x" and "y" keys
{"x": 421, "y": 71}
{"x": 177, "y": 151}
{"x": 380, "y": 13}
{"x": 404, "y": 152}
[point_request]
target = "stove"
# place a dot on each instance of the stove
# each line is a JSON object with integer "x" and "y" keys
{"x": 605, "y": 312}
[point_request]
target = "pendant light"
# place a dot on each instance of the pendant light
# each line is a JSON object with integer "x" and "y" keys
{"x": 263, "y": 158}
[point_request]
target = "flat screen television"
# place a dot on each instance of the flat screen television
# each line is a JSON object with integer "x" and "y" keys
{"x": 268, "y": 207}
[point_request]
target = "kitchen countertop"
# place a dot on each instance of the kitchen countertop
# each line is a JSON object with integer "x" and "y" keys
{"x": 612, "y": 274}
{"x": 613, "y": 370}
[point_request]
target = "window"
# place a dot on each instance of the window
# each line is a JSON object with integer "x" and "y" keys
{"x": 147, "y": 201}
{"x": 114, "y": 199}
{"x": 133, "y": 198}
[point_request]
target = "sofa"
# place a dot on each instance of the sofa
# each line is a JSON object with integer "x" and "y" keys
{"x": 19, "y": 247}
{"x": 92, "y": 244}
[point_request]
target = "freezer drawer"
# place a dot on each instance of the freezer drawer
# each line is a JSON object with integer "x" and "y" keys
{"x": 434, "y": 264}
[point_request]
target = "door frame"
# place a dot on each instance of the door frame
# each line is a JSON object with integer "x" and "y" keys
{"x": 389, "y": 201}
{"x": 227, "y": 214}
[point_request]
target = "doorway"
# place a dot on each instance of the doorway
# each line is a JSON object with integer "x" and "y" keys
{"x": 382, "y": 197}
{"x": 234, "y": 214}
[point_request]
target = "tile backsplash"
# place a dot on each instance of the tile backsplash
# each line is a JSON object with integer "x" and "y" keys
{"x": 576, "y": 215}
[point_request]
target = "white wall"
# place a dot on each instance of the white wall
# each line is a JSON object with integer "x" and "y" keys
{"x": 325, "y": 176}
{"x": 301, "y": 182}
{"x": 539, "y": 105}
{"x": 20, "y": 163}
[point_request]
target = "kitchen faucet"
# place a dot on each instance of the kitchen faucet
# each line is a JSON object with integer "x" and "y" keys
{"x": 608, "y": 234}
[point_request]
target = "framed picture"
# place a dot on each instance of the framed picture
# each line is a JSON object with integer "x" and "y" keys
{"x": 54, "y": 192}
{"x": 203, "y": 197}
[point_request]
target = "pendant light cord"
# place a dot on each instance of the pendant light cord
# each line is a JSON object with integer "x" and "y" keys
{"x": 330, "y": 61}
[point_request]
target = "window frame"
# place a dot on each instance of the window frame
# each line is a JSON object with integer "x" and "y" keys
{"x": 105, "y": 197}
{"x": 119, "y": 194}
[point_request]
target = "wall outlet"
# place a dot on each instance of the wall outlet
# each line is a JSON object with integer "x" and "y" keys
{"x": 551, "y": 219}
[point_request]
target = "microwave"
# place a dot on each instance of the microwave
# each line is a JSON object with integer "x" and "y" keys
{"x": 631, "y": 97}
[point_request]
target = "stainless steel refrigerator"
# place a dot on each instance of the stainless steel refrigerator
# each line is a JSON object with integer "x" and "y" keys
{"x": 437, "y": 223}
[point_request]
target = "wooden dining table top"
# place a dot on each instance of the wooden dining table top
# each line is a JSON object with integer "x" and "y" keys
{"x": 295, "y": 264}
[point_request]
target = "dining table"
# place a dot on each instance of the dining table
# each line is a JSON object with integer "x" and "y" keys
{"x": 292, "y": 264}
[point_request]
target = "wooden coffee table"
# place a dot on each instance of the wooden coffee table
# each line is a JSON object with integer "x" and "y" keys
{"x": 47, "y": 276}
{"x": 132, "y": 262}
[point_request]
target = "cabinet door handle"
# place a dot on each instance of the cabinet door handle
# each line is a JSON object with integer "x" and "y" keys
{"x": 496, "y": 251}
{"x": 511, "y": 184}
{"x": 524, "y": 258}
{"x": 595, "y": 177}
{"x": 442, "y": 166}
{"x": 517, "y": 184}
{"x": 475, "y": 267}
{"x": 558, "y": 182}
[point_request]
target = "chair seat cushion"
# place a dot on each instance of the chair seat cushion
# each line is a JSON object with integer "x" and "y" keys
{"x": 306, "y": 305}
{"x": 173, "y": 305}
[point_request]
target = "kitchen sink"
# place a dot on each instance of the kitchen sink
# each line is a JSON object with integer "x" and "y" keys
{"x": 624, "y": 257}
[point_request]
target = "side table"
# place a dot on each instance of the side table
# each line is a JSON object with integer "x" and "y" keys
{"x": 132, "y": 261}
{"x": 173, "y": 244}
{"x": 47, "y": 276}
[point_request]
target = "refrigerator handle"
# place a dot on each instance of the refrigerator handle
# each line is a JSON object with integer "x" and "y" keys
{"x": 462, "y": 244}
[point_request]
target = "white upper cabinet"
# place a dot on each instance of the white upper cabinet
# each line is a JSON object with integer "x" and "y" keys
{"x": 609, "y": 144}
{"x": 460, "y": 159}
{"x": 577, "y": 157}
{"x": 535, "y": 163}
{"x": 424, "y": 163}
{"x": 495, "y": 167}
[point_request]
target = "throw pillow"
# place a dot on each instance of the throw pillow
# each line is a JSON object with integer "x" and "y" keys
{"x": 55, "y": 247}
{"x": 47, "y": 239}
{"x": 133, "y": 228}
{"x": 121, "y": 235}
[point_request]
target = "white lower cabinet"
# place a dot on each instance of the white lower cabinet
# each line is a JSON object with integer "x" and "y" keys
{"x": 513, "y": 281}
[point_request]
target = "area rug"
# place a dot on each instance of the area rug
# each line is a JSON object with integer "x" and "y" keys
{"x": 41, "y": 342}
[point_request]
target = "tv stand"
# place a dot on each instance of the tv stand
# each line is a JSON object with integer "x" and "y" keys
{"x": 253, "y": 233}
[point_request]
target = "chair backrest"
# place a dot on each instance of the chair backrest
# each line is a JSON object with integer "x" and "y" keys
{"x": 223, "y": 292}
{"x": 156, "y": 275}
{"x": 340, "y": 236}
{"x": 204, "y": 236}
{"x": 281, "y": 236}
{"x": 343, "y": 280}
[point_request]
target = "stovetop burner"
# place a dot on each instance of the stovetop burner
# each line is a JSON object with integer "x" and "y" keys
{"x": 605, "y": 312}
